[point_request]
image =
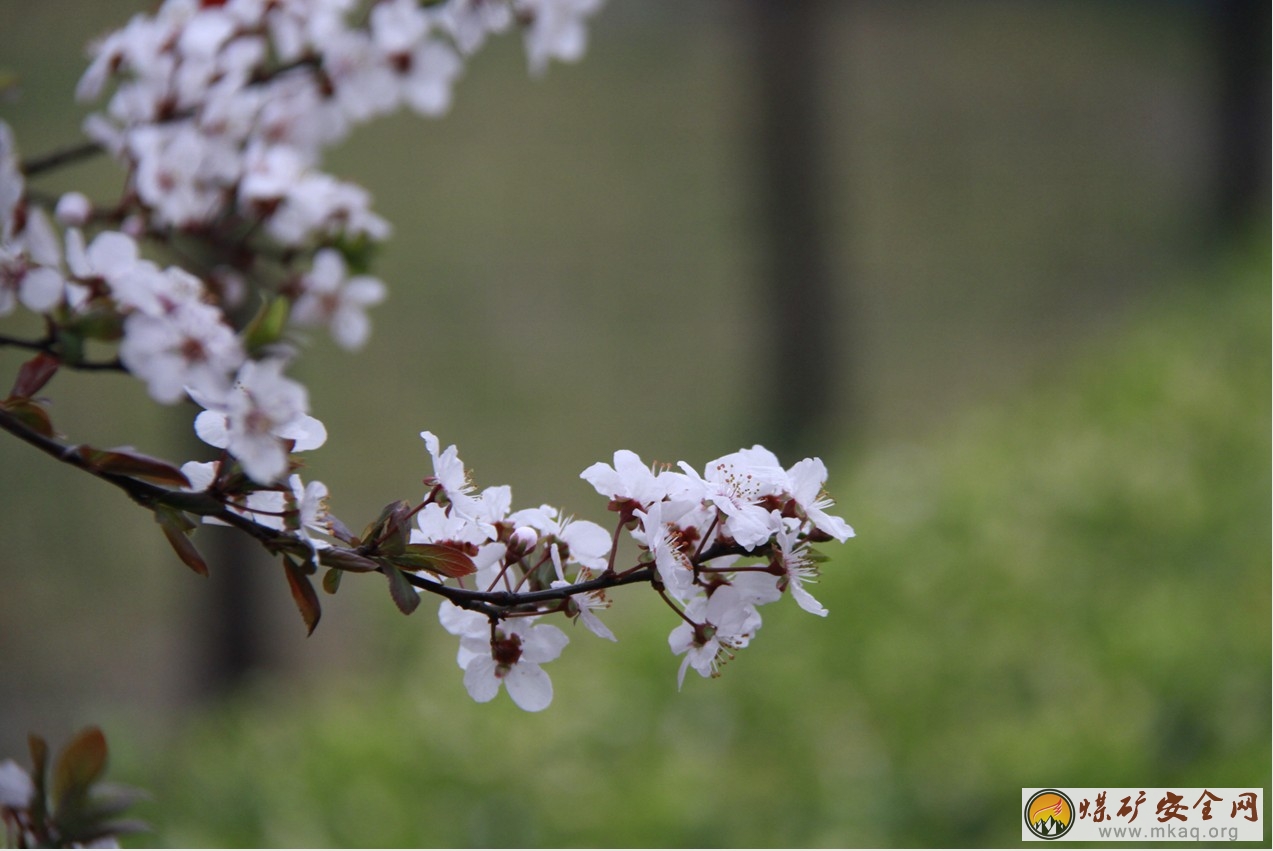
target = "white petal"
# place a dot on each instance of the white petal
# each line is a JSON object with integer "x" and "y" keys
{"x": 213, "y": 429}
{"x": 308, "y": 432}
{"x": 16, "y": 788}
{"x": 594, "y": 624}
{"x": 262, "y": 458}
{"x": 543, "y": 643}
{"x": 480, "y": 679}
{"x": 462, "y": 622}
{"x": 529, "y": 686}
{"x": 589, "y": 543}
{"x": 42, "y": 289}
{"x": 805, "y": 600}
{"x": 199, "y": 473}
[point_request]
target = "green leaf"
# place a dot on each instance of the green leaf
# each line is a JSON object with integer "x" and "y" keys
{"x": 101, "y": 322}
{"x": 404, "y": 596}
{"x": 331, "y": 580}
{"x": 389, "y": 531}
{"x": 268, "y": 325}
{"x": 303, "y": 593}
{"x": 177, "y": 527}
{"x": 435, "y": 558}
{"x": 80, "y": 763}
{"x": 358, "y": 252}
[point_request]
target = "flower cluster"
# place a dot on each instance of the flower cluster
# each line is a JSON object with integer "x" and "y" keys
{"x": 219, "y": 113}
{"x": 716, "y": 546}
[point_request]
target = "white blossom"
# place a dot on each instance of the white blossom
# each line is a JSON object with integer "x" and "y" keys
{"x": 261, "y": 419}
{"x": 331, "y": 299}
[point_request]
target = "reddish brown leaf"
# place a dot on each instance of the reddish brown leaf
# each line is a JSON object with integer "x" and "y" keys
{"x": 177, "y": 529}
{"x": 435, "y": 558}
{"x": 303, "y": 593}
{"x": 34, "y": 374}
{"x": 80, "y": 763}
{"x": 126, "y": 461}
{"x": 347, "y": 560}
{"x": 31, "y": 414}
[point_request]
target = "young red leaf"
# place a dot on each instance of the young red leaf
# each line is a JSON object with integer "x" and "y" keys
{"x": 177, "y": 526}
{"x": 31, "y": 414}
{"x": 347, "y": 560}
{"x": 33, "y": 375}
{"x": 126, "y": 461}
{"x": 435, "y": 558}
{"x": 80, "y": 763}
{"x": 303, "y": 593}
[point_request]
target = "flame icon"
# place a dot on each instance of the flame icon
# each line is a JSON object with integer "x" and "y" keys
{"x": 1049, "y": 814}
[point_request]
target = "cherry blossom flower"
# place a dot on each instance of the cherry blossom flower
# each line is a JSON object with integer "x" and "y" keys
{"x": 510, "y": 654}
{"x": 807, "y": 478}
{"x": 628, "y": 479}
{"x": 449, "y": 472}
{"x": 792, "y": 555}
{"x": 673, "y": 566}
{"x": 189, "y": 346}
{"x": 329, "y": 298}
{"x": 736, "y": 489}
{"x": 260, "y": 420}
{"x": 30, "y": 267}
{"x": 512, "y": 657}
{"x": 469, "y": 22}
{"x": 556, "y": 31}
{"x": 310, "y": 500}
{"x": 724, "y": 622}
{"x": 583, "y": 604}
{"x": 586, "y": 543}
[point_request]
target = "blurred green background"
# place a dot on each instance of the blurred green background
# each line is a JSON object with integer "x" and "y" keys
{"x": 1048, "y": 420}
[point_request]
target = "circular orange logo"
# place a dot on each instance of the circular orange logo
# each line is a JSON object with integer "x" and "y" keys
{"x": 1049, "y": 814}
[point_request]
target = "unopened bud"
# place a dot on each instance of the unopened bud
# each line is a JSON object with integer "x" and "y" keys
{"x": 73, "y": 210}
{"x": 522, "y": 541}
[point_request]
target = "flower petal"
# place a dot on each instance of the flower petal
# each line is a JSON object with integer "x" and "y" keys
{"x": 529, "y": 686}
{"x": 480, "y": 679}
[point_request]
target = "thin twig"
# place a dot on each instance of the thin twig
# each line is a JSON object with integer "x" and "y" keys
{"x": 60, "y": 157}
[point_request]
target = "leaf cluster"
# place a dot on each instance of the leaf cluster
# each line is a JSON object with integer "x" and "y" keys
{"x": 69, "y": 805}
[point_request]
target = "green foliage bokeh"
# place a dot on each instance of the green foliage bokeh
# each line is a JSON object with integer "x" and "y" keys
{"x": 1068, "y": 589}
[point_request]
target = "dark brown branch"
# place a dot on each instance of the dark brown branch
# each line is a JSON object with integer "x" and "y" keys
{"x": 495, "y": 604}
{"x": 57, "y": 159}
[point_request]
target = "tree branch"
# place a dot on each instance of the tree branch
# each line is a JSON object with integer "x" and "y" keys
{"x": 62, "y": 156}
{"x": 495, "y": 604}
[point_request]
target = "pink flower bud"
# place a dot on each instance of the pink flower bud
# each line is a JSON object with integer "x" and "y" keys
{"x": 73, "y": 210}
{"x": 523, "y": 540}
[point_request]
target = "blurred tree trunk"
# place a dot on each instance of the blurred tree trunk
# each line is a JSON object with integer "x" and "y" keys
{"x": 792, "y": 189}
{"x": 1242, "y": 158}
{"x": 230, "y": 619}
